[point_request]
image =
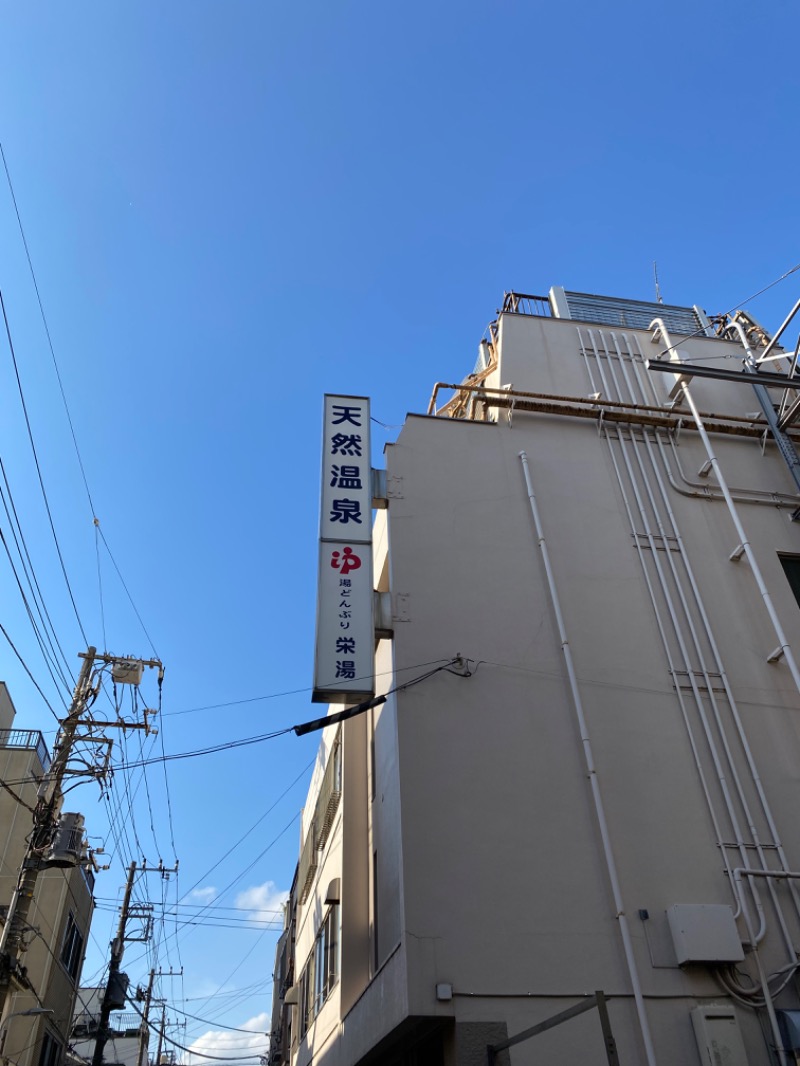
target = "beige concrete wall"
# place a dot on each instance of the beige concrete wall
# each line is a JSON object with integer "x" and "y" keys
{"x": 506, "y": 891}
{"x": 58, "y": 894}
{"x": 491, "y": 874}
{"x": 311, "y": 913}
{"x": 6, "y": 707}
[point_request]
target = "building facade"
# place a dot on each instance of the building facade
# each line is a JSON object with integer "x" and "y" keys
{"x": 37, "y": 1023}
{"x": 597, "y": 790}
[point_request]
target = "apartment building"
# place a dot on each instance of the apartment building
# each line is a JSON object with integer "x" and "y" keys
{"x": 36, "y": 1027}
{"x": 593, "y": 540}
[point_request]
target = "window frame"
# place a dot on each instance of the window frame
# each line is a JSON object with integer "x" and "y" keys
{"x": 791, "y": 571}
{"x": 71, "y": 954}
{"x": 321, "y": 972}
{"x": 52, "y": 1050}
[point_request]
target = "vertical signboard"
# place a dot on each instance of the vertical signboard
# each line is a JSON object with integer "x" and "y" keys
{"x": 345, "y": 646}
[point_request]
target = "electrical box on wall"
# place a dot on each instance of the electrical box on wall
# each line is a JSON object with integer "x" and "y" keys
{"x": 718, "y": 1037}
{"x": 704, "y": 932}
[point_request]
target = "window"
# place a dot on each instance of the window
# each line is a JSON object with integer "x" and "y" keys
{"x": 326, "y": 957}
{"x": 51, "y": 1051}
{"x": 321, "y": 972}
{"x": 72, "y": 950}
{"x": 306, "y": 997}
{"x": 791, "y": 567}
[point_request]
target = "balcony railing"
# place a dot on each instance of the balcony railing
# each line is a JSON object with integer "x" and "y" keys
{"x": 30, "y": 739}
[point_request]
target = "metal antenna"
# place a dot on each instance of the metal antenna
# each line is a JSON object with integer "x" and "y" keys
{"x": 655, "y": 278}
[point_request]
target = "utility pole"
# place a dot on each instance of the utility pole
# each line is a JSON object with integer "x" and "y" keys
{"x": 48, "y": 802}
{"x": 117, "y": 985}
{"x": 145, "y": 1034}
{"x": 148, "y": 998}
{"x": 49, "y": 799}
{"x": 161, "y": 1034}
{"x": 114, "y": 995}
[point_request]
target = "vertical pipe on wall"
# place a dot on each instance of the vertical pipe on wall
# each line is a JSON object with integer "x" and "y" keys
{"x": 745, "y": 543}
{"x": 668, "y": 651}
{"x": 700, "y": 653}
{"x": 608, "y": 853}
{"x": 737, "y": 719}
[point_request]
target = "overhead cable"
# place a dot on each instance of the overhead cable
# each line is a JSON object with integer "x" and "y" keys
{"x": 201, "y": 1054}
{"x": 701, "y": 331}
{"x": 46, "y": 326}
{"x": 39, "y": 469}
{"x": 289, "y": 692}
{"x": 33, "y": 679}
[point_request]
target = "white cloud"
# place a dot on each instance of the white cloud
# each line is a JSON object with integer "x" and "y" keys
{"x": 205, "y": 895}
{"x": 264, "y": 903}
{"x": 224, "y": 1042}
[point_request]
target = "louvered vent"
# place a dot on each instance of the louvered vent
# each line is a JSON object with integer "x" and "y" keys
{"x": 631, "y": 314}
{"x": 308, "y": 863}
{"x": 330, "y": 793}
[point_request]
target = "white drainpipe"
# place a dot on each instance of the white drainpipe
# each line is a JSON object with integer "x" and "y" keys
{"x": 608, "y": 853}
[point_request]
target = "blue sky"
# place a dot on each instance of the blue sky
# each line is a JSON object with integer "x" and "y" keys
{"x": 235, "y": 207}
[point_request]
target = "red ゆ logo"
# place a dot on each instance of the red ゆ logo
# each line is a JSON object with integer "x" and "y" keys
{"x": 345, "y": 561}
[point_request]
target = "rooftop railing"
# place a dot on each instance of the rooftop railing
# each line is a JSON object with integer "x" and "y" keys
{"x": 523, "y": 303}
{"x": 86, "y": 1023}
{"x": 30, "y": 739}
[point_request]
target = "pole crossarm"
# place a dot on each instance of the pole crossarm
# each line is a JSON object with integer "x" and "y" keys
{"x": 698, "y": 370}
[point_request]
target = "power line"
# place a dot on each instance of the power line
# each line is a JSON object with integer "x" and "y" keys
{"x": 107, "y": 900}
{"x": 246, "y": 992}
{"x": 19, "y": 799}
{"x": 16, "y": 527}
{"x": 69, "y": 420}
{"x": 201, "y": 1054}
{"x": 242, "y": 873}
{"x": 217, "y": 1025}
{"x": 302, "y": 728}
{"x": 127, "y": 591}
{"x": 701, "y": 331}
{"x": 50, "y": 658}
{"x": 100, "y": 583}
{"x": 26, "y": 668}
{"x": 39, "y": 469}
{"x": 289, "y": 692}
{"x": 243, "y": 837}
{"x": 46, "y": 328}
{"x": 305, "y": 727}
{"x": 229, "y": 745}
